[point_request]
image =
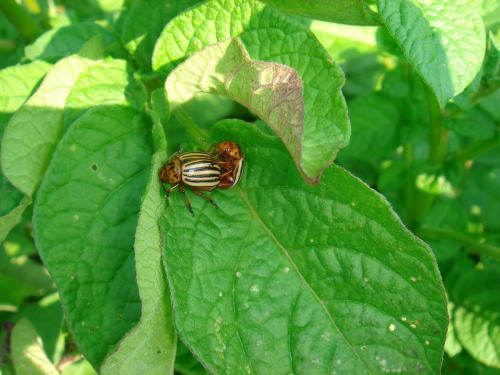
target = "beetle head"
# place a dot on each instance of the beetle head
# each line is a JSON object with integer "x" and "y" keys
{"x": 171, "y": 172}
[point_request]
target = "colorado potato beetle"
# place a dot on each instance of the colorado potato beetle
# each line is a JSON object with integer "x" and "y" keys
{"x": 203, "y": 171}
{"x": 231, "y": 160}
{"x": 197, "y": 170}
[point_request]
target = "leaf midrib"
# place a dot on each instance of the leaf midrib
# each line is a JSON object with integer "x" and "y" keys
{"x": 271, "y": 235}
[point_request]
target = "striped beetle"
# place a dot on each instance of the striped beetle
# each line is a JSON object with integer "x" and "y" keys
{"x": 204, "y": 171}
{"x": 198, "y": 170}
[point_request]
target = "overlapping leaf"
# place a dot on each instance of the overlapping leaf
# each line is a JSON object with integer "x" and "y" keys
{"x": 27, "y": 351}
{"x": 476, "y": 316}
{"x": 61, "y": 42}
{"x": 144, "y": 22}
{"x": 85, "y": 217}
{"x": 443, "y": 40}
{"x": 290, "y": 278}
{"x": 36, "y": 127}
{"x": 151, "y": 346}
{"x": 352, "y": 12}
{"x": 16, "y": 85}
{"x": 269, "y": 35}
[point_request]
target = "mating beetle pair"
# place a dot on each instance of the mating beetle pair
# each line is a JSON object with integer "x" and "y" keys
{"x": 203, "y": 171}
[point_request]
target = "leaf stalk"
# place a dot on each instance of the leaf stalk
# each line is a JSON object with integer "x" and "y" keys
{"x": 20, "y": 19}
{"x": 471, "y": 244}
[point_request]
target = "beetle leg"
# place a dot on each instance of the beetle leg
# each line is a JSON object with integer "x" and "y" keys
{"x": 206, "y": 197}
{"x": 168, "y": 191}
{"x": 186, "y": 199}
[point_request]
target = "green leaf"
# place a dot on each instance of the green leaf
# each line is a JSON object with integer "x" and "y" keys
{"x": 111, "y": 81}
{"x": 16, "y": 85}
{"x": 23, "y": 272}
{"x": 272, "y": 91}
{"x": 475, "y": 124}
{"x": 150, "y": 347}
{"x": 291, "y": 278}
{"x": 452, "y": 347}
{"x": 341, "y": 40}
{"x": 144, "y": 22}
{"x": 35, "y": 129}
{"x": 476, "y": 315}
{"x": 27, "y": 351}
{"x": 481, "y": 191}
{"x": 375, "y": 119}
{"x": 64, "y": 41}
{"x": 326, "y": 126}
{"x": 13, "y": 217}
{"x": 443, "y": 40}
{"x": 84, "y": 220}
{"x": 352, "y": 12}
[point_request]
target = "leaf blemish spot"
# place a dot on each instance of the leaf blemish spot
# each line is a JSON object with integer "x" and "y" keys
{"x": 238, "y": 274}
{"x": 392, "y": 327}
{"x": 286, "y": 269}
{"x": 221, "y": 294}
{"x": 72, "y": 148}
{"x": 427, "y": 343}
{"x": 403, "y": 318}
{"x": 365, "y": 279}
{"x": 76, "y": 217}
{"x": 363, "y": 347}
{"x": 254, "y": 289}
{"x": 414, "y": 326}
{"x": 94, "y": 167}
{"x": 413, "y": 279}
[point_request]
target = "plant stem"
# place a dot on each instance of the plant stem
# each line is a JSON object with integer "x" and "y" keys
{"x": 7, "y": 46}
{"x": 476, "y": 149}
{"x": 409, "y": 187}
{"x": 471, "y": 244}
{"x": 21, "y": 19}
{"x": 191, "y": 127}
{"x": 438, "y": 147}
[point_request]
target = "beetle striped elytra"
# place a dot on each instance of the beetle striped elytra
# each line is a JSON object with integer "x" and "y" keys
{"x": 203, "y": 171}
{"x": 197, "y": 170}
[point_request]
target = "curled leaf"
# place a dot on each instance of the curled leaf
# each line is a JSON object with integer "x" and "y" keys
{"x": 272, "y": 91}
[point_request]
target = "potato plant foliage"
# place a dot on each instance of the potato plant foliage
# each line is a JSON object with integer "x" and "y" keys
{"x": 363, "y": 237}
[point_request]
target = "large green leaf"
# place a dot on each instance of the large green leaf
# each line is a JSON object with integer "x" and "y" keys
{"x": 269, "y": 35}
{"x": 84, "y": 220}
{"x": 352, "y": 12}
{"x": 16, "y": 85}
{"x": 443, "y": 40}
{"x": 35, "y": 129}
{"x": 64, "y": 41}
{"x": 291, "y": 278}
{"x": 144, "y": 22}
{"x": 27, "y": 351}
{"x": 476, "y": 316}
{"x": 150, "y": 347}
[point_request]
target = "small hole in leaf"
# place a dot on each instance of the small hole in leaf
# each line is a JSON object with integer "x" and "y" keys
{"x": 94, "y": 167}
